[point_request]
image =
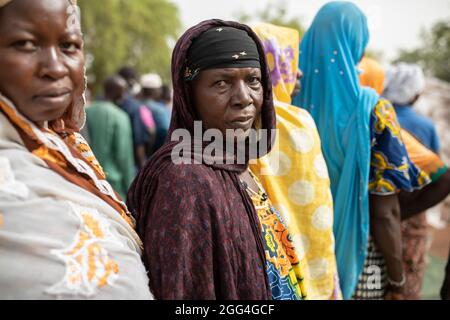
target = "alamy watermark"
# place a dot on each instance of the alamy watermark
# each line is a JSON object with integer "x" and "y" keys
{"x": 212, "y": 146}
{"x": 374, "y": 278}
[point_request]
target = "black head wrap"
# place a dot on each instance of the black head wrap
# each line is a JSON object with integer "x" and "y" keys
{"x": 221, "y": 47}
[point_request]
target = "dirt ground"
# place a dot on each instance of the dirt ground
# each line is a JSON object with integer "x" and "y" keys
{"x": 436, "y": 262}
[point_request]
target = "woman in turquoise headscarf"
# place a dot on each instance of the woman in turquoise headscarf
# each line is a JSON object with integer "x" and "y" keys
{"x": 348, "y": 118}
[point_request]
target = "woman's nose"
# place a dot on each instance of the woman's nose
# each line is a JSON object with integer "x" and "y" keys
{"x": 52, "y": 64}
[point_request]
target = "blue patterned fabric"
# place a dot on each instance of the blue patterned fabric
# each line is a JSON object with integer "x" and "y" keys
{"x": 391, "y": 168}
{"x": 282, "y": 287}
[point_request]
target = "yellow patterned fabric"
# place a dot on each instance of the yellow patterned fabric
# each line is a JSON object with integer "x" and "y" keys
{"x": 283, "y": 267}
{"x": 281, "y": 48}
{"x": 295, "y": 174}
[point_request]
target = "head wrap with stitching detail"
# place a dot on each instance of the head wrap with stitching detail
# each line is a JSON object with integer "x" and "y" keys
{"x": 221, "y": 47}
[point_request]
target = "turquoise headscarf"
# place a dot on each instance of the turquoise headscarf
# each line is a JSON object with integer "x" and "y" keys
{"x": 329, "y": 54}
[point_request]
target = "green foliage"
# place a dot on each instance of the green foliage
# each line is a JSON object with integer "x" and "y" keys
{"x": 434, "y": 55}
{"x": 374, "y": 54}
{"x": 128, "y": 32}
{"x": 274, "y": 13}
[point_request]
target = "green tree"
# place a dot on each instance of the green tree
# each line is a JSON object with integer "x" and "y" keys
{"x": 274, "y": 13}
{"x": 125, "y": 32}
{"x": 374, "y": 54}
{"x": 434, "y": 54}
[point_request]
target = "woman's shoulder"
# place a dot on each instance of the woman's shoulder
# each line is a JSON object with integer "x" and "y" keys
{"x": 189, "y": 178}
{"x": 384, "y": 108}
{"x": 185, "y": 170}
{"x": 384, "y": 116}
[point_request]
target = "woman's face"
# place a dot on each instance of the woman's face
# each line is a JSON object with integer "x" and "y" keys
{"x": 228, "y": 98}
{"x": 41, "y": 57}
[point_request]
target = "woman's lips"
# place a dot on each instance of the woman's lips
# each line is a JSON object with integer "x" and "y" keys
{"x": 56, "y": 97}
{"x": 242, "y": 123}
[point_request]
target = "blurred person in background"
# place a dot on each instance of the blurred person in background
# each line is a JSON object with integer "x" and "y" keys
{"x": 404, "y": 85}
{"x": 128, "y": 103}
{"x": 151, "y": 96}
{"x": 111, "y": 137}
{"x": 414, "y": 229}
{"x": 167, "y": 96}
{"x": 131, "y": 76}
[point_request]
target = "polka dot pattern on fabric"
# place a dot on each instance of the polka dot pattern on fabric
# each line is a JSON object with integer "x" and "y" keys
{"x": 306, "y": 119}
{"x": 301, "y": 193}
{"x": 322, "y": 218}
{"x": 320, "y": 167}
{"x": 279, "y": 163}
{"x": 317, "y": 268}
{"x": 304, "y": 198}
{"x": 302, "y": 244}
{"x": 302, "y": 140}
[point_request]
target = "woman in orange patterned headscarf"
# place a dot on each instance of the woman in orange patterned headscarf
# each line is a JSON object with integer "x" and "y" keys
{"x": 64, "y": 232}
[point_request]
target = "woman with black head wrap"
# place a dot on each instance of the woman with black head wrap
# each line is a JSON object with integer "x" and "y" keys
{"x": 203, "y": 237}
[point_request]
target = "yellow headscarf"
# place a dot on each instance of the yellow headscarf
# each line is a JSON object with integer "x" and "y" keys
{"x": 282, "y": 50}
{"x": 294, "y": 174}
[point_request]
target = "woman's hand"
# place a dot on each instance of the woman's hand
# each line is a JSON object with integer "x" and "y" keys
{"x": 391, "y": 295}
{"x": 394, "y": 293}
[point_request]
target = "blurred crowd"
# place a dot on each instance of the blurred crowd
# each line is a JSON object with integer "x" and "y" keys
{"x": 128, "y": 123}
{"x": 332, "y": 204}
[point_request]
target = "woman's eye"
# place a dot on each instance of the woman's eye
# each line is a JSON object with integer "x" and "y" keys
{"x": 70, "y": 47}
{"x": 26, "y": 45}
{"x": 255, "y": 81}
{"x": 220, "y": 84}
